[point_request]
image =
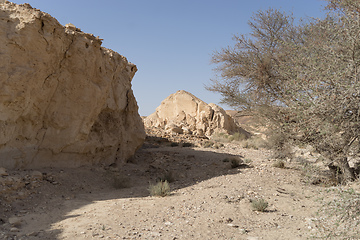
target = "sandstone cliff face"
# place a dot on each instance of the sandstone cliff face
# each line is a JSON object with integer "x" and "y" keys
{"x": 183, "y": 112}
{"x": 64, "y": 100}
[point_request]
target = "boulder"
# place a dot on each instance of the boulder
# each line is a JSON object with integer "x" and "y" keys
{"x": 65, "y": 101}
{"x": 183, "y": 110}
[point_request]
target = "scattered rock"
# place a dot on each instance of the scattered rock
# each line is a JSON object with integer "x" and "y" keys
{"x": 3, "y": 172}
{"x": 14, "y": 229}
{"x": 36, "y": 175}
{"x": 15, "y": 221}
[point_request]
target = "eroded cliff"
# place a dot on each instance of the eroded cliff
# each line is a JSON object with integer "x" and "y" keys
{"x": 64, "y": 100}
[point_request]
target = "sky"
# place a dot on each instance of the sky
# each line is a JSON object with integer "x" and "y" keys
{"x": 170, "y": 41}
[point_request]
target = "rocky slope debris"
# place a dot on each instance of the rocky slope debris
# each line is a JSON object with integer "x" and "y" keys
{"x": 64, "y": 100}
{"x": 182, "y": 112}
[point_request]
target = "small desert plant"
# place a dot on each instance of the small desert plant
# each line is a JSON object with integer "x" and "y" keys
{"x": 311, "y": 174}
{"x": 237, "y": 137}
{"x": 280, "y": 145}
{"x": 249, "y": 144}
{"x": 218, "y": 145}
{"x": 234, "y": 162}
{"x": 208, "y": 144}
{"x": 259, "y": 204}
{"x": 247, "y": 160}
{"x": 339, "y": 218}
{"x": 279, "y": 164}
{"x": 161, "y": 189}
{"x": 187, "y": 144}
{"x": 174, "y": 144}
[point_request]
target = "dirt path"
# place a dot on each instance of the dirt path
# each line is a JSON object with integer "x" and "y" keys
{"x": 209, "y": 199}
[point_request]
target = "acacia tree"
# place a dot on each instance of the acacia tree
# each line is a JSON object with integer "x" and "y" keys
{"x": 303, "y": 78}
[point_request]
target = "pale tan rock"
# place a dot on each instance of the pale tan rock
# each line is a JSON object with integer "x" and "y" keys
{"x": 36, "y": 175}
{"x": 3, "y": 172}
{"x": 15, "y": 221}
{"x": 65, "y": 101}
{"x": 182, "y": 109}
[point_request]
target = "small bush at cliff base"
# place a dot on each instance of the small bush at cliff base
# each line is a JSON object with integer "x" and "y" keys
{"x": 161, "y": 189}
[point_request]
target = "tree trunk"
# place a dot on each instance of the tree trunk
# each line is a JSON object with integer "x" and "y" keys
{"x": 347, "y": 173}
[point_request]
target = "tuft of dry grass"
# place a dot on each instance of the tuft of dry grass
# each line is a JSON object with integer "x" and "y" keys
{"x": 160, "y": 189}
{"x": 259, "y": 205}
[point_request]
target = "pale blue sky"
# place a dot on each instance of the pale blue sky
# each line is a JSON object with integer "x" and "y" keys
{"x": 170, "y": 41}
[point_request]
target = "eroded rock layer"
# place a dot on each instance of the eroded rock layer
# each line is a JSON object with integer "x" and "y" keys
{"x": 64, "y": 100}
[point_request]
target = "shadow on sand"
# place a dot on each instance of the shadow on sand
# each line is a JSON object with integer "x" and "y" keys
{"x": 71, "y": 189}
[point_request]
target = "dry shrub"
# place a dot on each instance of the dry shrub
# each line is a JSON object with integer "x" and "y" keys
{"x": 280, "y": 145}
{"x": 174, "y": 144}
{"x": 237, "y": 137}
{"x": 160, "y": 189}
{"x": 223, "y": 137}
{"x": 259, "y": 205}
{"x": 339, "y": 218}
{"x": 187, "y": 144}
{"x": 208, "y": 144}
{"x": 234, "y": 161}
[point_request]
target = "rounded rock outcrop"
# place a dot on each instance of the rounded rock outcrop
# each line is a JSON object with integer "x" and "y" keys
{"x": 185, "y": 111}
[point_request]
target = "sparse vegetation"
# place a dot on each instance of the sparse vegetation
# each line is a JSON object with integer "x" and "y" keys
{"x": 235, "y": 162}
{"x": 160, "y": 189}
{"x": 223, "y": 137}
{"x": 237, "y": 137}
{"x": 259, "y": 205}
{"x": 174, "y": 144}
{"x": 339, "y": 218}
{"x": 187, "y": 144}
{"x": 208, "y": 144}
{"x": 247, "y": 160}
{"x": 309, "y": 96}
{"x": 218, "y": 145}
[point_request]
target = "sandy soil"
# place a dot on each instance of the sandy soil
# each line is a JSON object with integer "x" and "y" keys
{"x": 209, "y": 199}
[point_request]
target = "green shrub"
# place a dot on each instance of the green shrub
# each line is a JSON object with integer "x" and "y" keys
{"x": 259, "y": 204}
{"x": 161, "y": 189}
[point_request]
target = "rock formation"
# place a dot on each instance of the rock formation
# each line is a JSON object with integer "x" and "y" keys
{"x": 182, "y": 112}
{"x": 64, "y": 100}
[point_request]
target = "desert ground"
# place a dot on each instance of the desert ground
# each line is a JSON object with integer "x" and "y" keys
{"x": 208, "y": 199}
